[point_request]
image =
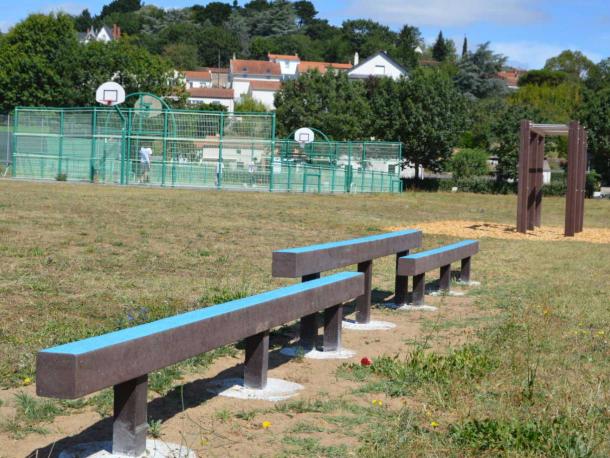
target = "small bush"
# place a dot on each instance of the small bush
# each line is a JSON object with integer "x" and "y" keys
{"x": 469, "y": 162}
{"x": 61, "y": 177}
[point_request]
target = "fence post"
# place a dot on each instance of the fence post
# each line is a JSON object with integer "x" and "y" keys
{"x": 219, "y": 164}
{"x": 14, "y": 146}
{"x": 272, "y": 151}
{"x": 61, "y": 141}
{"x": 93, "y": 145}
{"x": 164, "y": 156}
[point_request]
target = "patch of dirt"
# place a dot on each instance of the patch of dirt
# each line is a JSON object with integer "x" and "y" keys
{"x": 223, "y": 427}
{"x": 475, "y": 229}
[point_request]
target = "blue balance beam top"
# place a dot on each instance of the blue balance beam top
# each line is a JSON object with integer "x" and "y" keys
{"x": 166, "y": 324}
{"x": 344, "y": 243}
{"x": 442, "y": 249}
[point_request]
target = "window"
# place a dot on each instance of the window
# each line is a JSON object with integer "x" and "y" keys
{"x": 379, "y": 70}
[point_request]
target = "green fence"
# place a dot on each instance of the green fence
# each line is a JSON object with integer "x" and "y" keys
{"x": 192, "y": 148}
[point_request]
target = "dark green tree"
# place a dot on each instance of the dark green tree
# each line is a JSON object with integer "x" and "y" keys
{"x": 574, "y": 63}
{"x": 465, "y": 48}
{"x": 83, "y": 21}
{"x": 468, "y": 163}
{"x": 182, "y": 56}
{"x": 543, "y": 78}
{"x": 599, "y": 76}
{"x": 440, "y": 49}
{"x": 434, "y": 117}
{"x": 216, "y": 45}
{"x": 329, "y": 102}
{"x": 477, "y": 73}
{"x": 409, "y": 39}
{"x": 595, "y": 115}
{"x": 368, "y": 37}
{"x": 305, "y": 11}
{"x": 215, "y": 12}
{"x": 120, "y": 6}
{"x": 384, "y": 98}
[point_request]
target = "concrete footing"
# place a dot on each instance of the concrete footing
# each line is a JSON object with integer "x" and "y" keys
{"x": 417, "y": 308}
{"x": 352, "y": 325}
{"x": 276, "y": 389}
{"x": 154, "y": 449}
{"x": 450, "y": 293}
{"x": 342, "y": 353}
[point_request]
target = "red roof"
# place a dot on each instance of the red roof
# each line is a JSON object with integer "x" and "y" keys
{"x": 211, "y": 92}
{"x": 283, "y": 57}
{"x": 200, "y": 75}
{"x": 511, "y": 77}
{"x": 255, "y": 67}
{"x": 306, "y": 66}
{"x": 265, "y": 85}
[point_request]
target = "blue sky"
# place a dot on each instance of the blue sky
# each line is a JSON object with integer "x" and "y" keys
{"x": 527, "y": 31}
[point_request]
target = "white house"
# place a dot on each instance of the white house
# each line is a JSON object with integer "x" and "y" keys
{"x": 104, "y": 34}
{"x": 288, "y": 64}
{"x": 379, "y": 64}
{"x": 243, "y": 72}
{"x": 198, "y": 78}
{"x": 264, "y": 92}
{"x": 218, "y": 95}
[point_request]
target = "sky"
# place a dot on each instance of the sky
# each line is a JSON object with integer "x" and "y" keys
{"x": 527, "y": 31}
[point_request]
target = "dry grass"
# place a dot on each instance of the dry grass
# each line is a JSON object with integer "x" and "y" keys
{"x": 77, "y": 260}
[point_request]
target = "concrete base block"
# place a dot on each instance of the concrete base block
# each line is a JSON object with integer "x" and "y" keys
{"x": 450, "y": 293}
{"x": 418, "y": 308}
{"x": 154, "y": 449}
{"x": 276, "y": 389}
{"x": 468, "y": 283}
{"x": 316, "y": 354}
{"x": 352, "y": 325}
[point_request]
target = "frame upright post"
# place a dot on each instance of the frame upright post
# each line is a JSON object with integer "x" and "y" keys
{"x": 583, "y": 178}
{"x": 130, "y": 423}
{"x": 531, "y": 178}
{"x": 523, "y": 187}
{"x": 571, "y": 208}
{"x": 539, "y": 180}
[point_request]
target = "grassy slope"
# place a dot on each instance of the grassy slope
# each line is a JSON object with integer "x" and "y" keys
{"x": 78, "y": 260}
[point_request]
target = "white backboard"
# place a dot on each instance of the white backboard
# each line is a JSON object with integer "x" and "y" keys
{"x": 110, "y": 93}
{"x": 304, "y": 135}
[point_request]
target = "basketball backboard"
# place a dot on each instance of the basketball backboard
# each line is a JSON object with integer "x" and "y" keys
{"x": 304, "y": 135}
{"x": 110, "y": 93}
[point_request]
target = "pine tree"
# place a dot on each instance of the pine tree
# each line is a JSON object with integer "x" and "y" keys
{"x": 440, "y": 50}
{"x": 465, "y": 48}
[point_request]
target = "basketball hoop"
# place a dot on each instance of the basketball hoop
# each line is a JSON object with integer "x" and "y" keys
{"x": 110, "y": 93}
{"x": 303, "y": 136}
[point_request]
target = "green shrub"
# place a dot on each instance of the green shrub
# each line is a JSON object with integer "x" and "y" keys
{"x": 469, "y": 162}
{"x": 61, "y": 177}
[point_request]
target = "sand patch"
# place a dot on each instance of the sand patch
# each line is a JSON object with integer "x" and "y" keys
{"x": 476, "y": 229}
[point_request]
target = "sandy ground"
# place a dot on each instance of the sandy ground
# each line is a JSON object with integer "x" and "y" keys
{"x": 477, "y": 229}
{"x": 209, "y": 425}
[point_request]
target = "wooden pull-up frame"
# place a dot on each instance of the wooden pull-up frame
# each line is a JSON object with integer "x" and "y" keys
{"x": 531, "y": 159}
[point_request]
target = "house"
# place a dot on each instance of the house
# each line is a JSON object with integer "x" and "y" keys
{"x": 288, "y": 64}
{"x": 322, "y": 67}
{"x": 222, "y": 96}
{"x": 242, "y": 72}
{"x": 511, "y": 77}
{"x": 379, "y": 64}
{"x": 220, "y": 77}
{"x": 196, "y": 79}
{"x": 264, "y": 92}
{"x": 104, "y": 34}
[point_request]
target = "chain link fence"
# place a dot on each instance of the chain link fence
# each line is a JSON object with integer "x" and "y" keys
{"x": 192, "y": 148}
{"x": 6, "y": 138}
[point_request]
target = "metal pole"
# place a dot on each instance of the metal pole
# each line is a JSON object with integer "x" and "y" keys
{"x": 272, "y": 151}
{"x": 363, "y": 303}
{"x": 61, "y": 141}
{"x": 130, "y": 423}
{"x": 164, "y": 156}
{"x": 220, "y": 145}
{"x": 14, "y": 146}
{"x": 257, "y": 361}
{"x": 93, "y": 145}
{"x": 523, "y": 189}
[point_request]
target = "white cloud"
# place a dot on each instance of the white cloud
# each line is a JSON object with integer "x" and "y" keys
{"x": 4, "y": 26}
{"x": 531, "y": 55}
{"x": 447, "y": 13}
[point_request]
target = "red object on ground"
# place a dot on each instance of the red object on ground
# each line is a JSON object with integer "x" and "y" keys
{"x": 366, "y": 361}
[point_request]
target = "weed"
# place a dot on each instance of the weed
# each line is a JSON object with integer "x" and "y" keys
{"x": 162, "y": 381}
{"x": 36, "y": 410}
{"x": 310, "y": 446}
{"x": 154, "y": 428}
{"x": 306, "y": 427}
{"x": 247, "y": 415}
{"x": 223, "y": 415}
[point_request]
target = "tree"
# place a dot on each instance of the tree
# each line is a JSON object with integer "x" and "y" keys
{"x": 383, "y": 95}
{"x": 305, "y": 11}
{"x": 595, "y": 115}
{"x": 329, "y": 102}
{"x": 556, "y": 104}
{"x": 367, "y": 37}
{"x": 215, "y": 12}
{"x": 468, "y": 163}
{"x": 247, "y": 104}
{"x": 440, "y": 49}
{"x": 599, "y": 76}
{"x": 120, "y": 6}
{"x": 543, "y": 78}
{"x": 38, "y": 63}
{"x": 465, "y": 48}
{"x": 477, "y": 73}
{"x": 574, "y": 63}
{"x": 409, "y": 39}
{"x": 214, "y": 106}
{"x": 434, "y": 117}
{"x": 182, "y": 56}
{"x": 83, "y": 21}
{"x": 216, "y": 45}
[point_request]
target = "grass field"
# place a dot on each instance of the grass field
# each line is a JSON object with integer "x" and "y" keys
{"x": 534, "y": 380}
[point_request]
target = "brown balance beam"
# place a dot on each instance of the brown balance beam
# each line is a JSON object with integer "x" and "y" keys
{"x": 416, "y": 265}
{"x": 124, "y": 358}
{"x": 308, "y": 262}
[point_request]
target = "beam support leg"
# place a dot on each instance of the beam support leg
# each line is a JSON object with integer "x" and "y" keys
{"x": 465, "y": 270}
{"x": 130, "y": 424}
{"x": 309, "y": 323}
{"x": 333, "y": 316}
{"x": 401, "y": 284}
{"x": 419, "y": 285}
{"x": 445, "y": 278}
{"x": 363, "y": 303}
{"x": 257, "y": 361}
